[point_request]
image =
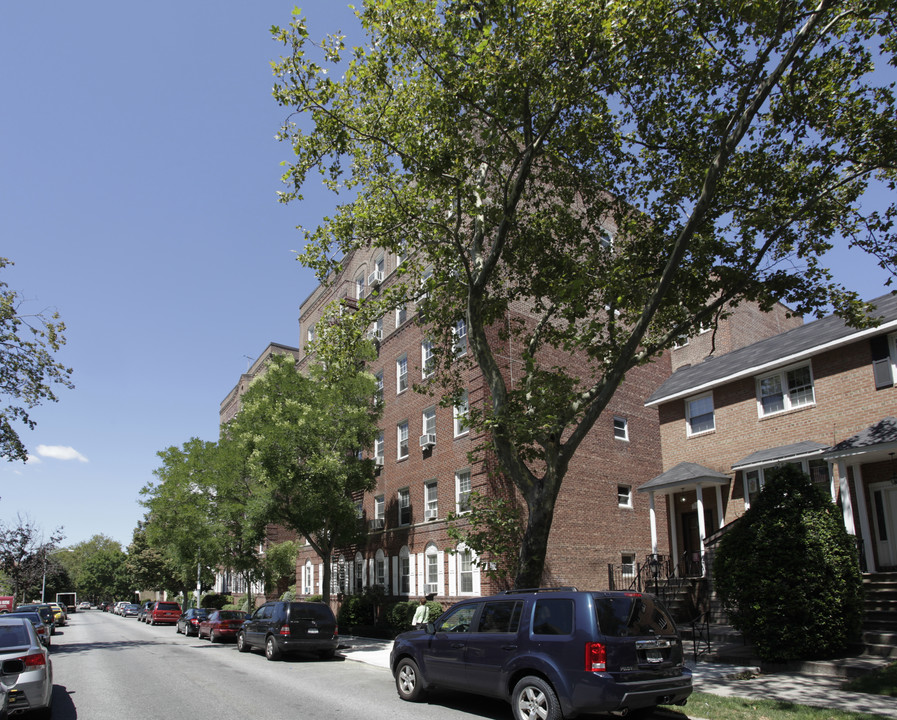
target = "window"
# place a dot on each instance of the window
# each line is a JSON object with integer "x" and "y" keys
{"x": 359, "y": 573}
{"x": 401, "y": 374}
{"x": 431, "y": 501}
{"x": 460, "y": 331}
{"x": 624, "y": 496}
{"x": 310, "y": 333}
{"x": 621, "y": 428}
{"x": 377, "y": 329}
{"x": 379, "y": 391}
{"x": 753, "y": 482}
{"x": 699, "y": 414}
{"x": 460, "y": 415}
{"x": 401, "y": 315}
{"x": 402, "y": 439}
{"x": 785, "y": 390}
{"x": 404, "y": 496}
{"x": 379, "y": 448}
{"x": 462, "y": 491}
{"x": 359, "y": 287}
{"x": 458, "y": 620}
{"x": 431, "y": 570}
{"x": 627, "y": 564}
{"x": 404, "y": 571}
{"x": 428, "y": 421}
{"x": 553, "y": 616}
{"x": 501, "y": 617}
{"x": 465, "y": 571}
{"x": 605, "y": 239}
{"x": 426, "y": 358}
{"x": 380, "y": 507}
{"x": 380, "y": 569}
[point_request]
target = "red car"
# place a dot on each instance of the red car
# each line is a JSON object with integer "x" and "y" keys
{"x": 163, "y": 612}
{"x": 222, "y": 625}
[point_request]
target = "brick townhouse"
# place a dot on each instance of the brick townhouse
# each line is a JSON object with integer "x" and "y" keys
{"x": 821, "y": 396}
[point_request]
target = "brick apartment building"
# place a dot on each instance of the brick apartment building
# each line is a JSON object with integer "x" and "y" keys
{"x": 601, "y": 521}
{"x": 821, "y": 395}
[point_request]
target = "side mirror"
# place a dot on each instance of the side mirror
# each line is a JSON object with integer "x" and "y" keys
{"x": 430, "y": 629}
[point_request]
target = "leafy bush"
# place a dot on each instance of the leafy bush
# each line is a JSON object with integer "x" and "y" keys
{"x": 357, "y": 610}
{"x": 216, "y": 601}
{"x": 787, "y": 572}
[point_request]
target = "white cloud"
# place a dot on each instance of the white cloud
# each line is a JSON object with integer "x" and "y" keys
{"x": 33, "y": 460}
{"x": 60, "y": 452}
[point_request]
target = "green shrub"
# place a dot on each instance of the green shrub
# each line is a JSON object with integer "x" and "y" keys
{"x": 357, "y": 610}
{"x": 216, "y": 601}
{"x": 787, "y": 572}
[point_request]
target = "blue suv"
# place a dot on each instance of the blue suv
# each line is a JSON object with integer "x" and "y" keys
{"x": 551, "y": 652}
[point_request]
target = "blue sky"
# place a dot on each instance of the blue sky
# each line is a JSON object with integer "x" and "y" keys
{"x": 138, "y": 180}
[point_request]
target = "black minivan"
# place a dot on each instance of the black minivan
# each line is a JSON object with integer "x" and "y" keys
{"x": 552, "y": 653}
{"x": 288, "y": 627}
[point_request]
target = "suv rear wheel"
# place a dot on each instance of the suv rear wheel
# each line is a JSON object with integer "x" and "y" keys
{"x": 535, "y": 699}
{"x": 409, "y": 683}
{"x": 272, "y": 652}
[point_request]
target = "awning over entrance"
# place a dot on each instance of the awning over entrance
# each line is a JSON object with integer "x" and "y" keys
{"x": 783, "y": 453}
{"x": 684, "y": 476}
{"x": 880, "y": 437}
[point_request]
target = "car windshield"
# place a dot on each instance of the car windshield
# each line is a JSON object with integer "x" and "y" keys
{"x": 13, "y": 636}
{"x": 632, "y": 615}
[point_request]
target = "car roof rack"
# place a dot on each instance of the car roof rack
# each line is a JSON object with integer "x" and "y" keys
{"x": 565, "y": 588}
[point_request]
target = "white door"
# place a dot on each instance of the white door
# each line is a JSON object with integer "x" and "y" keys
{"x": 884, "y": 509}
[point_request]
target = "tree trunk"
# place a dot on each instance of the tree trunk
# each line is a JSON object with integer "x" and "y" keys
{"x": 325, "y": 576}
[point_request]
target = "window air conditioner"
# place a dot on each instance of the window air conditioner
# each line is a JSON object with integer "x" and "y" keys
{"x": 428, "y": 440}
{"x": 375, "y": 278}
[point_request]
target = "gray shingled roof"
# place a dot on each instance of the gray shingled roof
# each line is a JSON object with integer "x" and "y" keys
{"x": 884, "y": 431}
{"x": 786, "y": 347}
{"x": 685, "y": 473}
{"x": 784, "y": 452}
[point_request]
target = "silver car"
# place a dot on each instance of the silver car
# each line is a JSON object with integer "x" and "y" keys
{"x": 25, "y": 668}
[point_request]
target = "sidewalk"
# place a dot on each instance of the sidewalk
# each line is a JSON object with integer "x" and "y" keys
{"x": 717, "y": 679}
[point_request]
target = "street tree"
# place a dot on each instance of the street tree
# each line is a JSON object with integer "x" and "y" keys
{"x": 146, "y": 565}
{"x": 104, "y": 575}
{"x": 74, "y": 556}
{"x": 305, "y": 436}
{"x": 592, "y": 181}
{"x": 179, "y": 512}
{"x": 24, "y": 553}
{"x": 28, "y": 370}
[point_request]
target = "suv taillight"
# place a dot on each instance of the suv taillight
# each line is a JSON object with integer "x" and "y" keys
{"x": 596, "y": 657}
{"x": 284, "y": 629}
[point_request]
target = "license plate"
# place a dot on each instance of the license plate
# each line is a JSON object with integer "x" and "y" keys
{"x": 313, "y": 631}
{"x": 653, "y": 656}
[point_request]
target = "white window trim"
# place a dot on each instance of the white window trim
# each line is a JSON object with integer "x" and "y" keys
{"x": 399, "y": 426}
{"x": 688, "y": 418}
{"x": 427, "y": 415}
{"x": 431, "y": 503}
{"x": 625, "y": 423}
{"x": 628, "y": 503}
{"x": 782, "y": 374}
{"x": 474, "y": 571}
{"x": 426, "y": 359}
{"x": 401, "y": 374}
{"x": 457, "y": 415}
{"x": 458, "y": 474}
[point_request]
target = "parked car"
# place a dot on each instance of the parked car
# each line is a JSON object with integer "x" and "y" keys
{"x": 163, "y": 611}
{"x": 130, "y": 610}
{"x": 144, "y": 609}
{"x": 288, "y": 627}
{"x": 25, "y": 667}
{"x": 118, "y": 606}
{"x": 41, "y": 626}
{"x": 84, "y": 605}
{"x": 42, "y": 609}
{"x": 528, "y": 647}
{"x": 59, "y": 613}
{"x": 188, "y": 622}
{"x": 222, "y": 625}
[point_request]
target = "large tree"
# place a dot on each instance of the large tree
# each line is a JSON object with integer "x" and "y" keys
{"x": 305, "y": 435}
{"x": 28, "y": 370}
{"x": 24, "y": 554}
{"x": 622, "y": 173}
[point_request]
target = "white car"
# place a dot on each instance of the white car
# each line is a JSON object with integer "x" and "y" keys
{"x": 84, "y": 605}
{"x": 25, "y": 668}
